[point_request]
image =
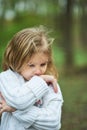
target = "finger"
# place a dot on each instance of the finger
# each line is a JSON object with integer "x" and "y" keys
{"x": 0, "y": 106}
{"x": 54, "y": 82}
{"x": 2, "y": 102}
{"x": 55, "y": 88}
{"x": 2, "y": 98}
{"x": 1, "y": 111}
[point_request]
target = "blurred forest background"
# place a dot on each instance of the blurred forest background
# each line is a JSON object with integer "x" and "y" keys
{"x": 68, "y": 21}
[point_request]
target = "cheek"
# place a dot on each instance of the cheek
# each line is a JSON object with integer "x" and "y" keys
{"x": 44, "y": 69}
{"x": 26, "y": 74}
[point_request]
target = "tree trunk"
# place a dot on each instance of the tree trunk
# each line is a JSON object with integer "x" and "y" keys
{"x": 64, "y": 23}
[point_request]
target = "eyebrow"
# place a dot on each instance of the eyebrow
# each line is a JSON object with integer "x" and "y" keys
{"x": 40, "y": 63}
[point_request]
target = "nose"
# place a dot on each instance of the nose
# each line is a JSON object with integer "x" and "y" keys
{"x": 38, "y": 71}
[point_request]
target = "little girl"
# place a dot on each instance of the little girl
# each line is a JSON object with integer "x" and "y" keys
{"x": 28, "y": 83}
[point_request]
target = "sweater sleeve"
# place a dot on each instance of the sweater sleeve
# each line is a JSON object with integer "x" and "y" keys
{"x": 25, "y": 96}
{"x": 46, "y": 117}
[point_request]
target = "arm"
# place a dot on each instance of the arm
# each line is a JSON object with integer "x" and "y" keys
{"x": 51, "y": 109}
{"x": 50, "y": 79}
{"x": 47, "y": 117}
{"x": 21, "y": 96}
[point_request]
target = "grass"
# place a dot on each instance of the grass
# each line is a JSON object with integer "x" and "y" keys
{"x": 74, "y": 89}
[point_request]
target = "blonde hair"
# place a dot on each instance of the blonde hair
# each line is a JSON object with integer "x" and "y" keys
{"x": 24, "y": 44}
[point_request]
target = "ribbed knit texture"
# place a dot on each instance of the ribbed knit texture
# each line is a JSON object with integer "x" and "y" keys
{"x": 23, "y": 96}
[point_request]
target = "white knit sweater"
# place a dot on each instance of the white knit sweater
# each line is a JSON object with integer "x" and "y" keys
{"x": 31, "y": 114}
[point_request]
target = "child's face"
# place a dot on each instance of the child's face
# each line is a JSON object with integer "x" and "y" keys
{"x": 37, "y": 65}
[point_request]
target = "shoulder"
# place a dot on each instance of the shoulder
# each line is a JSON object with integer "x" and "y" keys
{"x": 7, "y": 72}
{"x": 10, "y": 75}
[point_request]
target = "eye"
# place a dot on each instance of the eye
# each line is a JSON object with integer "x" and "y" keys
{"x": 43, "y": 64}
{"x": 31, "y": 65}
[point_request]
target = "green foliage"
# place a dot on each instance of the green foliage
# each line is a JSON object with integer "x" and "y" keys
{"x": 58, "y": 55}
{"x": 80, "y": 57}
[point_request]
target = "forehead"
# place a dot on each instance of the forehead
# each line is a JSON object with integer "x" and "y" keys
{"x": 38, "y": 57}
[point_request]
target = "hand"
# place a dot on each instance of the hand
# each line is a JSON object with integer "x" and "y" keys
{"x": 52, "y": 80}
{"x": 4, "y": 107}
